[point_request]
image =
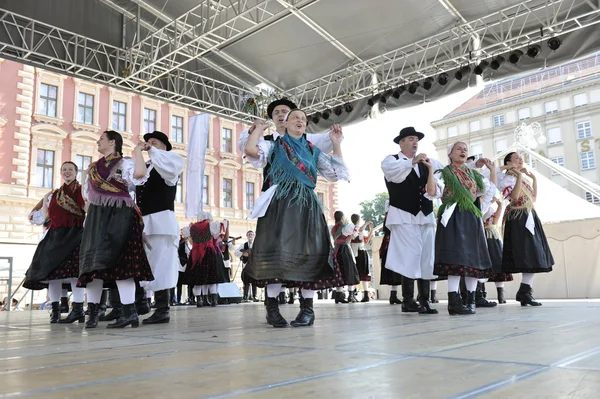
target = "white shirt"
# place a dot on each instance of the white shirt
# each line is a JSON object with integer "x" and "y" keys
{"x": 240, "y": 250}
{"x": 322, "y": 141}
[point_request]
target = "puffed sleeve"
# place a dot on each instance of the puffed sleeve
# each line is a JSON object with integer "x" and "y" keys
{"x": 168, "y": 164}
{"x": 506, "y": 183}
{"x": 218, "y": 228}
{"x": 439, "y": 185}
{"x": 396, "y": 170}
{"x": 243, "y": 140}
{"x": 332, "y": 168}
{"x": 487, "y": 195}
{"x": 264, "y": 149}
{"x": 322, "y": 141}
{"x": 127, "y": 167}
{"x": 239, "y": 251}
{"x": 348, "y": 229}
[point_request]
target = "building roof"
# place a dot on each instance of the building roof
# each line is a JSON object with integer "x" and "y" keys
{"x": 530, "y": 84}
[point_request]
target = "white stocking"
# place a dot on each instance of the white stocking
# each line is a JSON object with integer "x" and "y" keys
{"x": 197, "y": 290}
{"x": 94, "y": 290}
{"x": 126, "y": 291}
{"x": 273, "y": 290}
{"x": 395, "y": 287}
{"x": 527, "y": 278}
{"x": 308, "y": 294}
{"x": 433, "y": 285}
{"x": 212, "y": 289}
{"x": 78, "y": 292}
{"x": 471, "y": 283}
{"x": 54, "y": 288}
{"x": 500, "y": 284}
{"x": 453, "y": 283}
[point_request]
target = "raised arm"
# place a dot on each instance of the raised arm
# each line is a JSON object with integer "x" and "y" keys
{"x": 168, "y": 164}
{"x": 256, "y": 133}
{"x": 532, "y": 177}
{"x": 139, "y": 169}
{"x": 322, "y": 141}
{"x": 432, "y": 188}
{"x": 498, "y": 212}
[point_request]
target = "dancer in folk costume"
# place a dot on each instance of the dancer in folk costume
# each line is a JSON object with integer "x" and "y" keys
{"x": 243, "y": 253}
{"x": 112, "y": 247}
{"x": 359, "y": 239}
{"x": 293, "y": 243}
{"x": 57, "y": 255}
{"x": 526, "y": 248}
{"x": 387, "y": 276}
{"x": 492, "y": 219}
{"x": 342, "y": 233}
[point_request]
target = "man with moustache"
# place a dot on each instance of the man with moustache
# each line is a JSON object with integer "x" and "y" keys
{"x": 411, "y": 219}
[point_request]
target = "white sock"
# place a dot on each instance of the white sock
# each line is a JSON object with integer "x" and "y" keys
{"x": 453, "y": 283}
{"x": 395, "y": 287}
{"x": 94, "y": 290}
{"x": 432, "y": 285}
{"x": 365, "y": 285}
{"x": 282, "y": 289}
{"x": 197, "y": 290}
{"x": 500, "y": 284}
{"x": 78, "y": 292}
{"x": 308, "y": 294}
{"x": 471, "y": 283}
{"x": 273, "y": 290}
{"x": 54, "y": 290}
{"x": 65, "y": 292}
{"x": 148, "y": 294}
{"x": 212, "y": 289}
{"x": 339, "y": 289}
{"x": 483, "y": 280}
{"x": 527, "y": 278}
{"x": 126, "y": 291}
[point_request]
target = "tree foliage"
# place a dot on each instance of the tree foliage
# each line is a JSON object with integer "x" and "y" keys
{"x": 374, "y": 210}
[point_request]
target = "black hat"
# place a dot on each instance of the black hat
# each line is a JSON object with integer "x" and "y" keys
{"x": 159, "y": 136}
{"x": 408, "y": 131}
{"x": 283, "y": 101}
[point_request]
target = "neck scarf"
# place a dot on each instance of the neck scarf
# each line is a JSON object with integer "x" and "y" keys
{"x": 105, "y": 188}
{"x": 462, "y": 185}
{"x": 66, "y": 206}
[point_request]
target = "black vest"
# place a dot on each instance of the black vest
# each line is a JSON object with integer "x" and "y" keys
{"x": 410, "y": 194}
{"x": 155, "y": 196}
{"x": 225, "y": 251}
{"x": 267, "y": 168}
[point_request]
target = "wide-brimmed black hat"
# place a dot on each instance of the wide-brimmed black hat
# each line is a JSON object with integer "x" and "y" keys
{"x": 283, "y": 101}
{"x": 159, "y": 136}
{"x": 406, "y": 132}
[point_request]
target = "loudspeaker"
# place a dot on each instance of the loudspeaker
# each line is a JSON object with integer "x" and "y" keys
{"x": 229, "y": 293}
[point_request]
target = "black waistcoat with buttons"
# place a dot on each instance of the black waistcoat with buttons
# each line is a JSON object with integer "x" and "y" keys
{"x": 155, "y": 196}
{"x": 410, "y": 194}
{"x": 267, "y": 168}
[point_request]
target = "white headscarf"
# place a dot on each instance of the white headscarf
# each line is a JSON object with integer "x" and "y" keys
{"x": 186, "y": 232}
{"x": 203, "y": 215}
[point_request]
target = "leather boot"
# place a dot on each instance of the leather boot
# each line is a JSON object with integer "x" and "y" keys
{"x": 254, "y": 294}
{"x": 76, "y": 314}
{"x": 524, "y": 296}
{"x": 130, "y": 317}
{"x": 142, "y": 306}
{"x": 161, "y": 314}
{"x": 64, "y": 305}
{"x": 55, "y": 315}
{"x": 463, "y": 290}
{"x": 433, "y": 296}
{"x": 93, "y": 316}
{"x": 275, "y": 318}
{"x": 282, "y": 298}
{"x": 500, "y": 291}
{"x": 214, "y": 300}
{"x": 471, "y": 306}
{"x": 424, "y": 297}
{"x": 365, "y": 297}
{"x": 352, "y": 296}
{"x": 103, "y": 303}
{"x": 394, "y": 298}
{"x": 455, "y": 305}
{"x": 117, "y": 308}
{"x": 306, "y": 317}
{"x": 205, "y": 301}
{"x": 199, "y": 301}
{"x": 409, "y": 305}
{"x": 480, "y": 300}
{"x": 339, "y": 297}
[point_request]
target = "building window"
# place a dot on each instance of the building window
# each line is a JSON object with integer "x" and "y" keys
{"x": 551, "y": 107}
{"x": 249, "y": 195}
{"x": 85, "y": 107}
{"x": 498, "y": 120}
{"x": 501, "y": 145}
{"x": 589, "y": 197}
{"x": 45, "y": 168}
{"x": 205, "y": 190}
{"x": 179, "y": 192}
{"x": 580, "y": 100}
{"x": 474, "y": 126}
{"x": 452, "y": 131}
{"x": 177, "y": 129}
{"x": 554, "y": 136}
{"x": 227, "y": 193}
{"x": 227, "y": 140}
{"x": 587, "y": 160}
{"x": 524, "y": 114}
{"x": 476, "y": 151}
{"x": 119, "y": 120}
{"x": 149, "y": 120}
{"x": 83, "y": 162}
{"x": 584, "y": 130}
{"x": 321, "y": 197}
{"x": 48, "y": 99}
{"x": 559, "y": 161}
{"x": 533, "y": 164}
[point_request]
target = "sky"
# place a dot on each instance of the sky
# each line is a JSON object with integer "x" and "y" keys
{"x": 367, "y": 143}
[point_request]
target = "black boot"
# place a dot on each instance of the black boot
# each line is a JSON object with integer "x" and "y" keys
{"x": 117, "y": 308}
{"x": 463, "y": 290}
{"x": 214, "y": 300}
{"x": 130, "y": 317}
{"x": 524, "y": 296}
{"x": 254, "y": 294}
{"x": 275, "y": 318}
{"x": 161, "y": 314}
{"x": 199, "y": 301}
{"x": 424, "y": 297}
{"x": 291, "y": 300}
{"x": 282, "y": 298}
{"x": 142, "y": 305}
{"x": 55, "y": 315}
{"x": 365, "y": 297}
{"x": 455, "y": 305}
{"x": 480, "y": 295}
{"x": 205, "y": 301}
{"x": 77, "y": 314}
{"x": 394, "y": 298}
{"x": 352, "y": 296}
{"x": 433, "y": 295}
{"x": 471, "y": 306}
{"x": 64, "y": 305}
{"x": 103, "y": 305}
{"x": 339, "y": 297}
{"x": 500, "y": 291}
{"x": 306, "y": 317}
{"x": 409, "y": 304}
{"x": 93, "y": 316}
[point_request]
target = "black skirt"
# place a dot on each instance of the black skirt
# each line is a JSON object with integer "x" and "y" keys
{"x": 345, "y": 259}
{"x": 495, "y": 250}
{"x": 293, "y": 247}
{"x": 387, "y": 277}
{"x": 209, "y": 270}
{"x": 56, "y": 257}
{"x": 524, "y": 252}
{"x": 362, "y": 264}
{"x": 245, "y": 278}
{"x": 461, "y": 248}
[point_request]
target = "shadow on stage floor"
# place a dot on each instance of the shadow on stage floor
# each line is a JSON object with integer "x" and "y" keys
{"x": 359, "y": 350}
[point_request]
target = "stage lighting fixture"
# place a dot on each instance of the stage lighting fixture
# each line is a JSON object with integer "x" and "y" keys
{"x": 554, "y": 43}
{"x": 533, "y": 51}
{"x": 462, "y": 72}
{"x": 372, "y": 101}
{"x": 326, "y": 114}
{"x": 412, "y": 88}
{"x": 481, "y": 67}
{"x": 316, "y": 117}
{"x": 348, "y": 107}
{"x": 496, "y": 62}
{"x": 338, "y": 110}
{"x": 442, "y": 78}
{"x": 515, "y": 56}
{"x": 427, "y": 83}
{"x": 398, "y": 92}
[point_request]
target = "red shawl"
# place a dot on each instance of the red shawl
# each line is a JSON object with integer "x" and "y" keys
{"x": 202, "y": 241}
{"x": 66, "y": 206}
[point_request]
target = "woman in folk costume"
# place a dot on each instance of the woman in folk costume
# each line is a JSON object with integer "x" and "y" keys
{"x": 526, "y": 248}
{"x": 343, "y": 233}
{"x": 293, "y": 243}
{"x": 57, "y": 255}
{"x": 359, "y": 240}
{"x": 388, "y": 277}
{"x": 112, "y": 247}
{"x": 206, "y": 268}
{"x": 460, "y": 245}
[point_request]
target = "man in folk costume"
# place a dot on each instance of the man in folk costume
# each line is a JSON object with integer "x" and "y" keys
{"x": 409, "y": 178}
{"x": 156, "y": 200}
{"x": 243, "y": 252}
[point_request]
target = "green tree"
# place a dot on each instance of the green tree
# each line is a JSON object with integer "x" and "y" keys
{"x": 374, "y": 210}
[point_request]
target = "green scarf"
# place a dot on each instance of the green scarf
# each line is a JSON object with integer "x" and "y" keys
{"x": 460, "y": 194}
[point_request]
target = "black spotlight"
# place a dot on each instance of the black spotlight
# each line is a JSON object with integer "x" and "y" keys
{"x": 338, "y": 110}
{"x": 462, "y": 72}
{"x": 398, "y": 92}
{"x": 427, "y": 83}
{"x": 515, "y": 56}
{"x": 412, "y": 88}
{"x": 326, "y": 114}
{"x": 496, "y": 62}
{"x": 385, "y": 96}
{"x": 442, "y": 78}
{"x": 533, "y": 51}
{"x": 316, "y": 118}
{"x": 348, "y": 108}
{"x": 372, "y": 101}
{"x": 554, "y": 43}
{"x": 481, "y": 67}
